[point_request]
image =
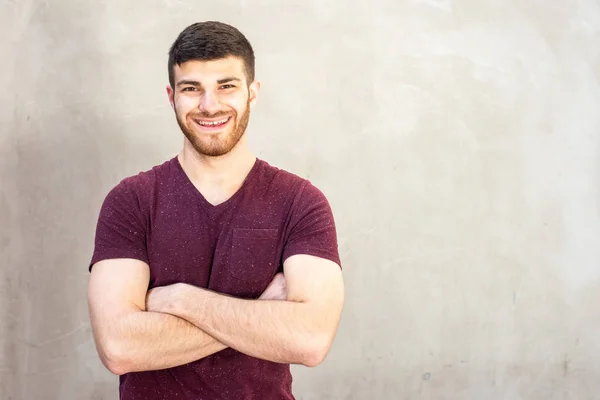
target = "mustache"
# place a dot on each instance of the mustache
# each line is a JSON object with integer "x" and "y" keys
{"x": 209, "y": 116}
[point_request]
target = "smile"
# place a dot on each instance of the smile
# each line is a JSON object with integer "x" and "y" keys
{"x": 212, "y": 123}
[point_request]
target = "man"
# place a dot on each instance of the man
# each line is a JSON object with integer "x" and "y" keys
{"x": 214, "y": 271}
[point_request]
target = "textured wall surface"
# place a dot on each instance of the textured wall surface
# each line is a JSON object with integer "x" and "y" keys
{"x": 457, "y": 140}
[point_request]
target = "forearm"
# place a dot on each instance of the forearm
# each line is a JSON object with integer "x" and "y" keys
{"x": 145, "y": 341}
{"x": 279, "y": 331}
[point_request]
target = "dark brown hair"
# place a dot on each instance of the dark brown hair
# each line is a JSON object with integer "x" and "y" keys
{"x": 207, "y": 41}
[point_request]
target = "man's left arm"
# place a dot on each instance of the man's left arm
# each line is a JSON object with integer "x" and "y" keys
{"x": 299, "y": 330}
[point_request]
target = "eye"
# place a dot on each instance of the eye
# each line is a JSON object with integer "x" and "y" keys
{"x": 188, "y": 89}
{"x": 227, "y": 86}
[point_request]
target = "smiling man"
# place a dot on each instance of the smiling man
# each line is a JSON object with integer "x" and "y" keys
{"x": 214, "y": 271}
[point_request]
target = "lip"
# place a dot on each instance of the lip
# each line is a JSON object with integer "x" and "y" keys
{"x": 214, "y": 128}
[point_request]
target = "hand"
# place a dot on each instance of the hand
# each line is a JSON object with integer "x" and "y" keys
{"x": 277, "y": 289}
{"x": 160, "y": 299}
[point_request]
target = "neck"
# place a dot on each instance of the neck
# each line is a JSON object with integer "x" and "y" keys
{"x": 226, "y": 171}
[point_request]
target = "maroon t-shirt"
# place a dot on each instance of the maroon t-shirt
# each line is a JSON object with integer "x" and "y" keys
{"x": 236, "y": 247}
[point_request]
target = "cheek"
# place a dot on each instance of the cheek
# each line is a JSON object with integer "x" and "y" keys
{"x": 235, "y": 101}
{"x": 185, "y": 104}
{"x": 238, "y": 106}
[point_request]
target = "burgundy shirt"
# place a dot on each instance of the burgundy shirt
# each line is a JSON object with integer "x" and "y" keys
{"x": 236, "y": 247}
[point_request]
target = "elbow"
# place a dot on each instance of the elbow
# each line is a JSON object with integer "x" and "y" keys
{"x": 115, "y": 367}
{"x": 114, "y": 358}
{"x": 315, "y": 352}
{"x": 313, "y": 360}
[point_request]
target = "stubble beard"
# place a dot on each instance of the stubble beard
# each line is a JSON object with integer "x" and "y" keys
{"x": 213, "y": 145}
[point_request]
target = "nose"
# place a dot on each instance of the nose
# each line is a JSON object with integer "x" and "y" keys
{"x": 209, "y": 103}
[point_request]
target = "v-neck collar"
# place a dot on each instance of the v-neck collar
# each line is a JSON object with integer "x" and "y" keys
{"x": 205, "y": 203}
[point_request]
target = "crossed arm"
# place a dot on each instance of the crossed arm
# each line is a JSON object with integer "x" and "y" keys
{"x": 135, "y": 330}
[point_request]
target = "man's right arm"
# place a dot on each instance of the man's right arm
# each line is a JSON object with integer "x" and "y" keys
{"x": 127, "y": 337}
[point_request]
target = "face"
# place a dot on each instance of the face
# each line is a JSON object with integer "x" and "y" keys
{"x": 212, "y": 102}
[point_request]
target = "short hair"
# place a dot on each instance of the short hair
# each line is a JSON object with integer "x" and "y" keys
{"x": 207, "y": 41}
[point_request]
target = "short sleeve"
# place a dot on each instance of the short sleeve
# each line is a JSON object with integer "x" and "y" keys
{"x": 312, "y": 226}
{"x": 121, "y": 230}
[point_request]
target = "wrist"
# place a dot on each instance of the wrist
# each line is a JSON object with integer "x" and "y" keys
{"x": 188, "y": 301}
{"x": 176, "y": 298}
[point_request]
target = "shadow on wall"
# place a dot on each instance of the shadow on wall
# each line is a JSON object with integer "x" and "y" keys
{"x": 13, "y": 348}
{"x": 11, "y": 326}
{"x": 64, "y": 136}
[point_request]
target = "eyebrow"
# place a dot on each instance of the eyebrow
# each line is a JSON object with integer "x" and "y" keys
{"x": 228, "y": 79}
{"x": 186, "y": 82}
{"x": 196, "y": 83}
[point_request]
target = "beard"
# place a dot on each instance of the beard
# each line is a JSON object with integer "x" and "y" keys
{"x": 215, "y": 145}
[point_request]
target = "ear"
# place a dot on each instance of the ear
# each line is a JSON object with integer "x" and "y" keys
{"x": 254, "y": 88}
{"x": 171, "y": 94}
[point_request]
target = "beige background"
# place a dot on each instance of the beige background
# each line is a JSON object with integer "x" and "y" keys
{"x": 458, "y": 142}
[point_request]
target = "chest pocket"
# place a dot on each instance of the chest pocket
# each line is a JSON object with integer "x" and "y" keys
{"x": 253, "y": 262}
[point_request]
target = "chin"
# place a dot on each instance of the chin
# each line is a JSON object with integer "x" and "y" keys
{"x": 212, "y": 144}
{"x": 212, "y": 149}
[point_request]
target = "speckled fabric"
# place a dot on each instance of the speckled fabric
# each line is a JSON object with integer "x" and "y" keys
{"x": 236, "y": 247}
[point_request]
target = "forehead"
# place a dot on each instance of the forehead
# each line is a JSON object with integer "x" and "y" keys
{"x": 210, "y": 71}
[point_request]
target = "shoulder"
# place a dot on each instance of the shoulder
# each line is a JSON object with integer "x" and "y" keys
{"x": 141, "y": 186}
{"x": 298, "y": 194}
{"x": 145, "y": 180}
{"x": 284, "y": 181}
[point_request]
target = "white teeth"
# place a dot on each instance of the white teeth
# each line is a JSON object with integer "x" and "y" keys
{"x": 213, "y": 123}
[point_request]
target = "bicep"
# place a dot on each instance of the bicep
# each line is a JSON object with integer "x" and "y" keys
{"x": 116, "y": 287}
{"x": 316, "y": 281}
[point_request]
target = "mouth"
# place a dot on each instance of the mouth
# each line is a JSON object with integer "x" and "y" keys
{"x": 212, "y": 125}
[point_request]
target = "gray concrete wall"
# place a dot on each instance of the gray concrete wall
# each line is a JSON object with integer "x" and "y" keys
{"x": 458, "y": 142}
